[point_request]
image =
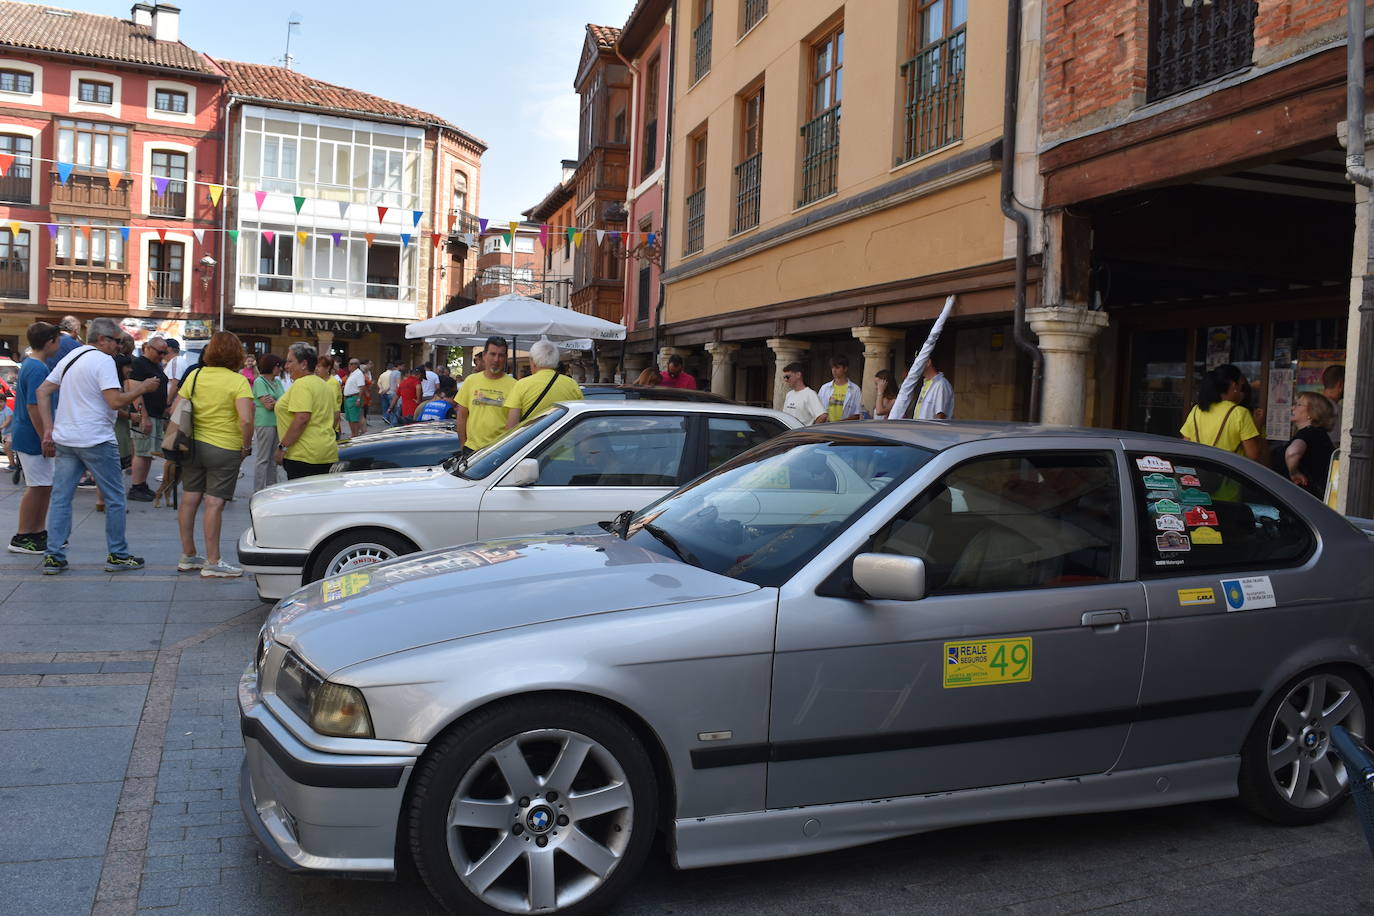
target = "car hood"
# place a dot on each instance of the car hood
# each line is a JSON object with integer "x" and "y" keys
{"x": 479, "y": 588}
{"x": 431, "y": 430}
{"x": 335, "y": 485}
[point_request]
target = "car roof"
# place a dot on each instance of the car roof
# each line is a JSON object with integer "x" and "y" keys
{"x": 641, "y": 405}
{"x": 942, "y": 434}
{"x": 655, "y": 393}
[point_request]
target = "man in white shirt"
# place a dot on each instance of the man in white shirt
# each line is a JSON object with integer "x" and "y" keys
{"x": 430, "y": 383}
{"x": 840, "y": 398}
{"x": 353, "y": 398}
{"x": 936, "y": 401}
{"x": 801, "y": 402}
{"x": 82, "y": 437}
{"x": 387, "y": 385}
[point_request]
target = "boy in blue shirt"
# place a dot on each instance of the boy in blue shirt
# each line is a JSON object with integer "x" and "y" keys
{"x": 441, "y": 406}
{"x": 44, "y": 341}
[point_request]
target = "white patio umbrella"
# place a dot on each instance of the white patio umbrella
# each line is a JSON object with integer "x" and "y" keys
{"x": 513, "y": 316}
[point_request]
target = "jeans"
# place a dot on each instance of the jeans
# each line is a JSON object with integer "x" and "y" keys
{"x": 390, "y": 408}
{"x": 103, "y": 462}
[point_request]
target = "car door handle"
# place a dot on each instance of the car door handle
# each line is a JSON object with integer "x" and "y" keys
{"x": 1105, "y": 618}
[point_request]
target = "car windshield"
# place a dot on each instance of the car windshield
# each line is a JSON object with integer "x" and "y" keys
{"x": 486, "y": 460}
{"x": 761, "y": 517}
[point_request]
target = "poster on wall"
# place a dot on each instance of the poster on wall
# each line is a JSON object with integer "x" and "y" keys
{"x": 1311, "y": 365}
{"x": 1278, "y": 423}
{"x": 1218, "y": 346}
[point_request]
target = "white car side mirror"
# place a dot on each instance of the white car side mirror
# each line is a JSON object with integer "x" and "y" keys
{"x": 525, "y": 472}
{"x": 890, "y": 577}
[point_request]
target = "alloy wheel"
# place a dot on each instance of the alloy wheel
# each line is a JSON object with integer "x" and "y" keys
{"x": 1300, "y": 763}
{"x": 540, "y": 821}
{"x": 356, "y": 556}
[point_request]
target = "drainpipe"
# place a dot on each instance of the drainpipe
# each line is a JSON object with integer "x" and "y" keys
{"x": 1360, "y": 461}
{"x": 629, "y": 205}
{"x": 667, "y": 182}
{"x": 226, "y": 140}
{"x": 1009, "y": 207}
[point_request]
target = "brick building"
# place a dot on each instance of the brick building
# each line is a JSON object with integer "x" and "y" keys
{"x": 109, "y": 141}
{"x": 1196, "y": 205}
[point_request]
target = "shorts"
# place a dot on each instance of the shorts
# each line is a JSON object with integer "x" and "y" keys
{"x": 352, "y": 408}
{"x": 38, "y": 469}
{"x": 211, "y": 470}
{"x": 149, "y": 446}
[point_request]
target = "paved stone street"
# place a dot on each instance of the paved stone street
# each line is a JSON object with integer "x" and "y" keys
{"x": 119, "y": 755}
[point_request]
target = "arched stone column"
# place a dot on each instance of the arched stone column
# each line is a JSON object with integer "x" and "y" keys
{"x": 784, "y": 351}
{"x": 1066, "y": 338}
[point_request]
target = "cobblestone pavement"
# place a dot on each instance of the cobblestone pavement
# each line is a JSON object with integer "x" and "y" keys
{"x": 119, "y": 755}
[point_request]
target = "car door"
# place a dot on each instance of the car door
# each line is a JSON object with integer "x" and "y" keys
{"x": 1023, "y": 661}
{"x": 592, "y": 470}
{"x": 1228, "y": 569}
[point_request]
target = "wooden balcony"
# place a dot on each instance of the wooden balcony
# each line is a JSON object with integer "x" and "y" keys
{"x": 79, "y": 284}
{"x": 603, "y": 299}
{"x": 605, "y": 171}
{"x": 88, "y": 193}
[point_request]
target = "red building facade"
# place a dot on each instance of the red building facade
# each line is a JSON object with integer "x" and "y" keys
{"x": 110, "y": 143}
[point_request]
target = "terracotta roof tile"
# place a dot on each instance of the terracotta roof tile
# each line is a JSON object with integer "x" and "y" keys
{"x": 277, "y": 84}
{"x": 606, "y": 35}
{"x": 46, "y": 28}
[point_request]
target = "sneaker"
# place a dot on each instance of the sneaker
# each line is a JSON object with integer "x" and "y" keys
{"x": 120, "y": 564}
{"x": 190, "y": 563}
{"x": 221, "y": 570}
{"x": 52, "y": 565}
{"x": 27, "y": 543}
{"x": 86, "y": 482}
{"x": 139, "y": 492}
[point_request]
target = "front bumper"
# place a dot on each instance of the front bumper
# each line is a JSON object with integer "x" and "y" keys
{"x": 318, "y": 811}
{"x": 278, "y": 572}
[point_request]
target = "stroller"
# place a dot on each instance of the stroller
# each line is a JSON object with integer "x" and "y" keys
{"x": 1359, "y": 765}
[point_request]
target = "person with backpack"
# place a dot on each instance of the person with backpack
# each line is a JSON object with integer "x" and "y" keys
{"x": 1220, "y": 418}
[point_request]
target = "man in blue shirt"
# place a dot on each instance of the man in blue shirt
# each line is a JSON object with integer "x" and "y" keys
{"x": 441, "y": 407}
{"x": 44, "y": 342}
{"x": 69, "y": 340}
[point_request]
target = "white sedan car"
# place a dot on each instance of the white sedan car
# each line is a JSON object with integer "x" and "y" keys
{"x": 579, "y": 463}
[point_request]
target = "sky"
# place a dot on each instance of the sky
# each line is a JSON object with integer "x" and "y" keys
{"x": 502, "y": 71}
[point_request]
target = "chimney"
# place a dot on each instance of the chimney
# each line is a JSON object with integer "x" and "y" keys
{"x": 142, "y": 14}
{"x": 165, "y": 20}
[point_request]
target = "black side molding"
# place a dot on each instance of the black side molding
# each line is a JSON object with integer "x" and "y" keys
{"x": 321, "y": 775}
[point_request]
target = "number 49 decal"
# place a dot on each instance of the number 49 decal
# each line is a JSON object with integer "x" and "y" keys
{"x": 984, "y": 662}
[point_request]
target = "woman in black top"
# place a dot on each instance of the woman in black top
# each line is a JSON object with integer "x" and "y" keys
{"x": 1307, "y": 459}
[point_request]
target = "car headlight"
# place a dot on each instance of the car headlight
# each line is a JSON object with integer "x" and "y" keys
{"x": 331, "y": 709}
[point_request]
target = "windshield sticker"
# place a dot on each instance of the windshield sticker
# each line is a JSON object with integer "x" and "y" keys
{"x": 1172, "y": 542}
{"x": 768, "y": 478}
{"x": 1152, "y": 463}
{"x": 1189, "y": 480}
{"x": 987, "y": 661}
{"x": 1195, "y": 497}
{"x": 1206, "y": 536}
{"x": 1169, "y": 523}
{"x": 1248, "y": 594}
{"x": 1182, "y": 470}
{"x": 1166, "y": 506}
{"x": 1192, "y": 597}
{"x": 1159, "y": 482}
{"x": 1200, "y": 515}
{"x": 343, "y": 586}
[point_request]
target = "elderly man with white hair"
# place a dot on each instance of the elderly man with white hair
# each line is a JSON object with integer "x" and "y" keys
{"x": 535, "y": 393}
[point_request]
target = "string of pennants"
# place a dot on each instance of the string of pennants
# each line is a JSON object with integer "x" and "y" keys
{"x": 215, "y": 192}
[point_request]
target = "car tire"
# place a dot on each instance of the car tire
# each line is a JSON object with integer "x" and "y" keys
{"x": 1287, "y": 771}
{"x": 373, "y": 545}
{"x": 489, "y": 835}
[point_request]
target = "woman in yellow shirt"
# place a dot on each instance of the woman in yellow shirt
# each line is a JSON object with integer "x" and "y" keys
{"x": 1220, "y": 418}
{"x": 222, "y": 427}
{"x": 305, "y": 417}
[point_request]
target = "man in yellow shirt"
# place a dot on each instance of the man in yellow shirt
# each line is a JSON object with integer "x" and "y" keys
{"x": 305, "y": 417}
{"x": 482, "y": 399}
{"x": 536, "y": 393}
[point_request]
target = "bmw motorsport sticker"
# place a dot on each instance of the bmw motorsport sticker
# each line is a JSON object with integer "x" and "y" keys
{"x": 1248, "y": 594}
{"x": 981, "y": 662}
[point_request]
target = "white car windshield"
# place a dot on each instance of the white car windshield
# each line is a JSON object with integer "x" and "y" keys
{"x": 760, "y": 517}
{"x": 484, "y": 461}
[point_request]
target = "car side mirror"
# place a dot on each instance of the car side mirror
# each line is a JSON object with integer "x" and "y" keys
{"x": 890, "y": 577}
{"x": 525, "y": 472}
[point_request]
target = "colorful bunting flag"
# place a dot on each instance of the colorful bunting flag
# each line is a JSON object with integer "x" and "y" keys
{"x": 415, "y": 217}
{"x": 369, "y": 236}
{"x": 381, "y": 214}
{"x": 571, "y": 234}
{"x": 514, "y": 228}
{"x": 600, "y": 234}
{"x": 260, "y": 196}
{"x": 124, "y": 232}
{"x": 336, "y": 236}
{"x": 452, "y": 219}
{"x": 52, "y": 231}
{"x": 234, "y": 236}
{"x": 615, "y": 237}
{"x": 160, "y": 185}
{"x": 269, "y": 235}
{"x": 162, "y": 235}
{"x": 86, "y": 231}
{"x": 113, "y": 177}
{"x": 482, "y": 225}
{"x": 405, "y": 240}
{"x": 544, "y": 236}
{"x": 470, "y": 239}
{"x": 14, "y": 229}
{"x": 651, "y": 238}
{"x": 200, "y": 235}
{"x": 302, "y": 236}
{"x": 215, "y": 191}
{"x": 64, "y": 171}
{"x": 343, "y": 209}
{"x": 507, "y": 236}
{"x": 300, "y": 202}
{"x": 436, "y": 238}
{"x": 577, "y": 238}
{"x": 6, "y": 160}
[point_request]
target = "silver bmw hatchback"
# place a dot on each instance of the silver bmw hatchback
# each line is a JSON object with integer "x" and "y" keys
{"x": 847, "y": 634}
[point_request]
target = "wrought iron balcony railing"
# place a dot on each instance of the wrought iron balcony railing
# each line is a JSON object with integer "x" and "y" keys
{"x": 164, "y": 288}
{"x": 701, "y": 48}
{"x": 696, "y": 221}
{"x": 1195, "y": 41}
{"x": 934, "y": 110}
{"x": 754, "y": 10}
{"x": 820, "y": 156}
{"x": 748, "y": 176}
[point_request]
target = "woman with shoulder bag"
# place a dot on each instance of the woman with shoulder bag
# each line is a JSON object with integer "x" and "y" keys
{"x": 222, "y": 436}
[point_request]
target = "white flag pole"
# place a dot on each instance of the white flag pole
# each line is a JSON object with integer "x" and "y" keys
{"x": 918, "y": 366}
